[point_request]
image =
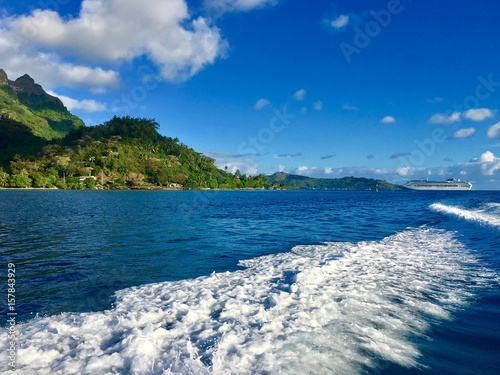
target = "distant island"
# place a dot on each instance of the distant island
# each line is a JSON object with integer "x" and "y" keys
{"x": 43, "y": 145}
{"x": 283, "y": 179}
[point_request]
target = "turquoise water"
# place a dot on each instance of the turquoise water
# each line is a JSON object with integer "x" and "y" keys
{"x": 258, "y": 282}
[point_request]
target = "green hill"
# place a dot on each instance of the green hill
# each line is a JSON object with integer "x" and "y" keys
{"x": 281, "y": 179}
{"x": 25, "y": 102}
{"x": 122, "y": 153}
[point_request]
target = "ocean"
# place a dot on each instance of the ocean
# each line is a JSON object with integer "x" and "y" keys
{"x": 250, "y": 282}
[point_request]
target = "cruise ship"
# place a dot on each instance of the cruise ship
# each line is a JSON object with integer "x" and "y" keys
{"x": 449, "y": 184}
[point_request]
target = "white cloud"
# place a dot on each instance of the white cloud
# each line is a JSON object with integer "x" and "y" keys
{"x": 443, "y": 119}
{"x": 388, "y": 120}
{"x": 487, "y": 157}
{"x": 303, "y": 169}
{"x": 261, "y": 103}
{"x": 476, "y": 170}
{"x": 494, "y": 131}
{"x": 50, "y": 72}
{"x": 464, "y": 133}
{"x": 328, "y": 170}
{"x": 490, "y": 163}
{"x": 299, "y": 95}
{"x": 340, "y": 22}
{"x": 479, "y": 114}
{"x": 113, "y": 31}
{"x": 318, "y": 106}
{"x": 86, "y": 105}
{"x": 404, "y": 171}
{"x": 226, "y": 6}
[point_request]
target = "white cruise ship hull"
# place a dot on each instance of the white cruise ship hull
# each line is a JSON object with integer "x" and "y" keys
{"x": 439, "y": 185}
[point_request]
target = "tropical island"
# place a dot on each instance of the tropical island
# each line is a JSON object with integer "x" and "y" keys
{"x": 43, "y": 145}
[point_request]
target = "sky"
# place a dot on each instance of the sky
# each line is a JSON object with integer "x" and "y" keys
{"x": 394, "y": 90}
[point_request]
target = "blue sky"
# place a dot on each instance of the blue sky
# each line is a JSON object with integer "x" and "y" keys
{"x": 395, "y": 89}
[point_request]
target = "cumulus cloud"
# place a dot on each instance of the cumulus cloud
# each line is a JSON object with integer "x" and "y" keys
{"x": 299, "y": 95}
{"x": 464, "y": 133}
{"x": 261, "y": 103}
{"x": 494, "y": 131}
{"x": 303, "y": 169}
{"x": 479, "y": 114}
{"x": 388, "y": 120}
{"x": 318, "y": 106}
{"x": 86, "y": 105}
{"x": 340, "y": 22}
{"x": 443, "y": 119}
{"x": 489, "y": 163}
{"x": 113, "y": 32}
{"x": 487, "y": 157}
{"x": 50, "y": 72}
{"x": 404, "y": 171}
{"x": 328, "y": 170}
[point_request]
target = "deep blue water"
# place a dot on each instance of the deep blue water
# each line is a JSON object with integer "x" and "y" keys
{"x": 74, "y": 249}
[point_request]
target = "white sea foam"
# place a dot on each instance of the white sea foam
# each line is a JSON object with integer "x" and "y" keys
{"x": 488, "y": 214}
{"x": 336, "y": 308}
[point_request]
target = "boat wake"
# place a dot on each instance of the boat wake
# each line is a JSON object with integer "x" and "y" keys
{"x": 324, "y": 309}
{"x": 488, "y": 213}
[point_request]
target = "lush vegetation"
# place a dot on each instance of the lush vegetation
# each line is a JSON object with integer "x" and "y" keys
{"x": 122, "y": 153}
{"x": 26, "y": 103}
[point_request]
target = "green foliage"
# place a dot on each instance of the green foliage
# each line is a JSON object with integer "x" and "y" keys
{"x": 20, "y": 180}
{"x": 90, "y": 183}
{"x": 124, "y": 152}
{"x": 44, "y": 116}
{"x": 4, "y": 178}
{"x": 17, "y": 139}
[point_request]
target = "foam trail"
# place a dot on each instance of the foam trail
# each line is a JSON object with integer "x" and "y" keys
{"x": 335, "y": 308}
{"x": 480, "y": 215}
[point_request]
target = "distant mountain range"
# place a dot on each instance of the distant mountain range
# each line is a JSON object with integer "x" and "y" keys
{"x": 345, "y": 183}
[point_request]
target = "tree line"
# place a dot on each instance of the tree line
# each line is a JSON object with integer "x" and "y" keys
{"x": 122, "y": 153}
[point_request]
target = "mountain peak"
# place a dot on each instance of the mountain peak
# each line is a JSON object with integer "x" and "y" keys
{"x": 26, "y": 85}
{"x": 26, "y": 102}
{"x": 25, "y": 80}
